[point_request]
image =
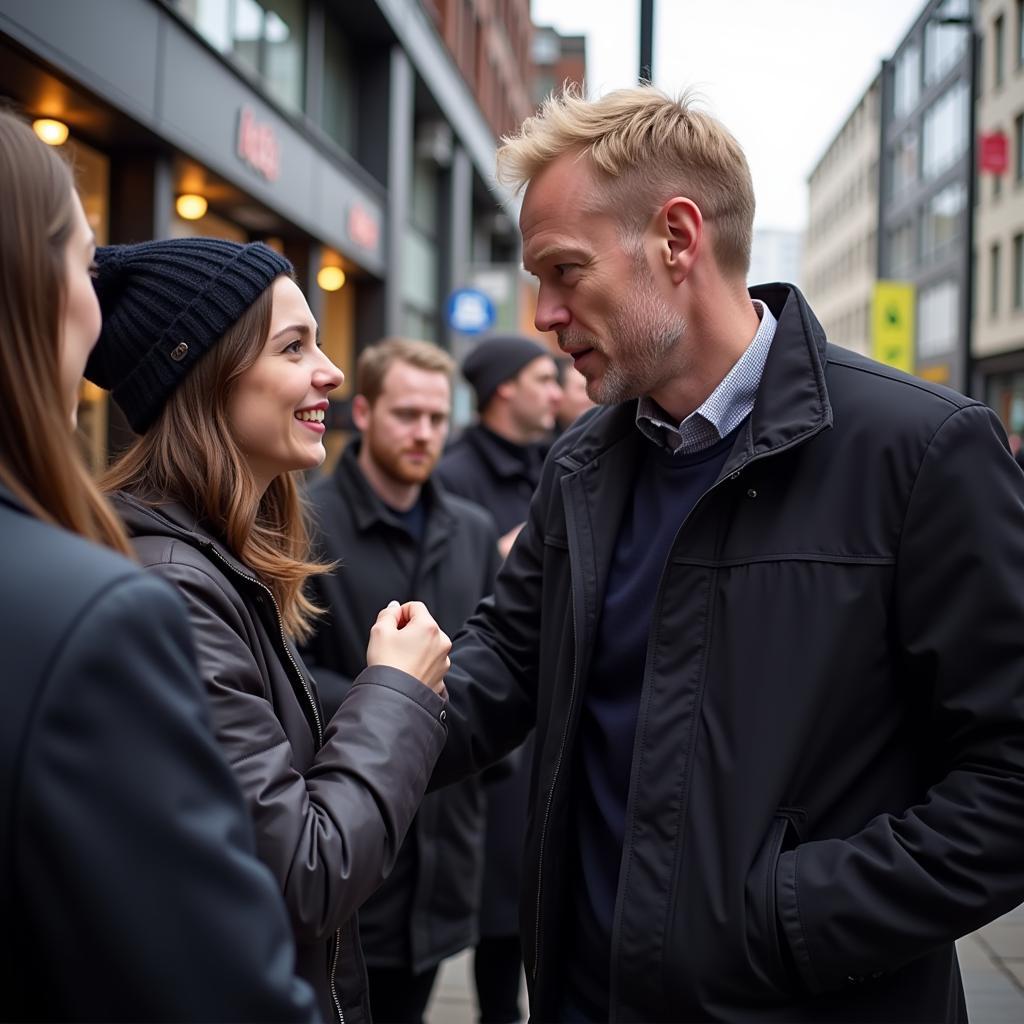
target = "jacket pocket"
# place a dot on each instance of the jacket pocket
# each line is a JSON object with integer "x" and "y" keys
{"x": 768, "y": 959}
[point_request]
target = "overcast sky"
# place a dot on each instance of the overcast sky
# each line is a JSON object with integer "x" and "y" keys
{"x": 782, "y": 74}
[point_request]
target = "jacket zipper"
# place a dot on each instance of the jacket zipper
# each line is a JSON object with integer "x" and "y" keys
{"x": 319, "y": 738}
{"x": 551, "y": 791}
{"x": 284, "y": 641}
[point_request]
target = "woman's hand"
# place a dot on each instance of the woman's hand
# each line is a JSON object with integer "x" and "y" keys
{"x": 406, "y": 637}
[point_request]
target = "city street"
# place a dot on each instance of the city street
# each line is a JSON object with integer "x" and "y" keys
{"x": 992, "y": 961}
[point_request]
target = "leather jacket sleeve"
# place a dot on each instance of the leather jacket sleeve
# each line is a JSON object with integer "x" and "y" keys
{"x": 135, "y": 837}
{"x": 860, "y": 906}
{"x": 330, "y": 835}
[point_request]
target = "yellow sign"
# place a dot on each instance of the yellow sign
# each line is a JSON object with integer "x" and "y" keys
{"x": 892, "y": 324}
{"x": 938, "y": 374}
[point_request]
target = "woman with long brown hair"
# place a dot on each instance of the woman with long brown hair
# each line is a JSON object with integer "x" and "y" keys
{"x": 130, "y": 889}
{"x": 211, "y": 351}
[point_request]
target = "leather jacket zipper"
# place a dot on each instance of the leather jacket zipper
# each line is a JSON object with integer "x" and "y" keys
{"x": 334, "y": 974}
{"x": 284, "y": 641}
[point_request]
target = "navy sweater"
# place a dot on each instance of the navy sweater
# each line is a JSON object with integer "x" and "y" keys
{"x": 665, "y": 491}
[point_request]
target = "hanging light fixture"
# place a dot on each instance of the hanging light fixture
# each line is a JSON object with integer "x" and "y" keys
{"x": 53, "y": 133}
{"x": 330, "y": 278}
{"x": 191, "y": 206}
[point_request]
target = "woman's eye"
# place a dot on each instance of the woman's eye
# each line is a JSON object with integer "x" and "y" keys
{"x": 295, "y": 348}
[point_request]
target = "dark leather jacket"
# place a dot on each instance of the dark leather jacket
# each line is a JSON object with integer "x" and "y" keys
{"x": 828, "y": 767}
{"x": 331, "y": 800}
{"x": 129, "y": 884}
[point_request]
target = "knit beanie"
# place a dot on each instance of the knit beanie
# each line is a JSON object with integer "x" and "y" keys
{"x": 497, "y": 359}
{"x": 164, "y": 304}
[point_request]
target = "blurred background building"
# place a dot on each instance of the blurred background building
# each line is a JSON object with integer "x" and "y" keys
{"x": 356, "y": 136}
{"x": 776, "y": 255}
{"x": 841, "y": 258}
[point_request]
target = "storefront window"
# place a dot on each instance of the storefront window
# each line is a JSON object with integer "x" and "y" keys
{"x": 266, "y": 37}
{"x": 1004, "y": 393}
{"x": 906, "y": 81}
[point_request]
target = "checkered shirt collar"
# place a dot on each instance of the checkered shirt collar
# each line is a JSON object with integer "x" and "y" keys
{"x": 723, "y": 410}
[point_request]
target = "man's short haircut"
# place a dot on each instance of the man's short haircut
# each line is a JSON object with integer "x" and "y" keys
{"x": 375, "y": 361}
{"x": 644, "y": 147}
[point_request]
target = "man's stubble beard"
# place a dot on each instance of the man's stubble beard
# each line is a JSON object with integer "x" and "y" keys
{"x": 645, "y": 333}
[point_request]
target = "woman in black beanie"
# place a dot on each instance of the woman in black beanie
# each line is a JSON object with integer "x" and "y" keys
{"x": 130, "y": 889}
{"x": 211, "y": 351}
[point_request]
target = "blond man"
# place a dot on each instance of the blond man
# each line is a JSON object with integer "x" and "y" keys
{"x": 766, "y": 613}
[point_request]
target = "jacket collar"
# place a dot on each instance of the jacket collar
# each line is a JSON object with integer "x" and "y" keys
{"x": 172, "y": 520}
{"x": 792, "y": 403}
{"x": 367, "y": 508}
{"x": 504, "y": 458}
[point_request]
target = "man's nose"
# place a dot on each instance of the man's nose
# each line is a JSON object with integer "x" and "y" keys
{"x": 552, "y": 314}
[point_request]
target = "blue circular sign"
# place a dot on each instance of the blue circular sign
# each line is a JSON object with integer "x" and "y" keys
{"x": 471, "y": 311}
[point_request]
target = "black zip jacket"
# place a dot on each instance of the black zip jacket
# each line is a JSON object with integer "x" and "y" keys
{"x": 828, "y": 768}
{"x": 129, "y": 884}
{"x": 428, "y": 912}
{"x": 330, "y": 800}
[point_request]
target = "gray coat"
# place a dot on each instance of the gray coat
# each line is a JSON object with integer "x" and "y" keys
{"x": 129, "y": 885}
{"x": 331, "y": 800}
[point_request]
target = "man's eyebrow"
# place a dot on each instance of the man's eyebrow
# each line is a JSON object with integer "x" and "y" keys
{"x": 559, "y": 249}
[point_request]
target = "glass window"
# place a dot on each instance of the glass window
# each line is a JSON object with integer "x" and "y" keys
{"x": 901, "y": 249}
{"x": 995, "y": 270}
{"x": 998, "y": 49}
{"x": 266, "y": 37}
{"x": 1018, "y": 147}
{"x": 940, "y": 227}
{"x": 1018, "y": 272}
{"x": 944, "y": 134}
{"x": 906, "y": 81}
{"x": 944, "y": 45}
{"x": 904, "y": 163}
{"x": 937, "y": 319}
{"x": 338, "y": 101}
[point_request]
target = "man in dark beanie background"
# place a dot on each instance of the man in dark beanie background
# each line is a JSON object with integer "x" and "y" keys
{"x": 497, "y": 464}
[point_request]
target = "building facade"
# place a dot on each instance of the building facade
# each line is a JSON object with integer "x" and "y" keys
{"x": 998, "y": 337}
{"x": 840, "y": 244}
{"x": 346, "y": 133}
{"x": 925, "y": 184}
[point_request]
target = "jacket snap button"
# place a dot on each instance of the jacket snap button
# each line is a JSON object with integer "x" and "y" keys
{"x": 443, "y": 716}
{"x": 179, "y": 351}
{"x": 751, "y": 493}
{"x": 734, "y": 476}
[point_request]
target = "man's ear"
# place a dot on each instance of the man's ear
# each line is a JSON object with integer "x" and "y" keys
{"x": 360, "y": 412}
{"x": 682, "y": 231}
{"x": 507, "y": 388}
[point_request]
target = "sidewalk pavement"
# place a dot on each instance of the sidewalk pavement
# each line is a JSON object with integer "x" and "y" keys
{"x": 992, "y": 962}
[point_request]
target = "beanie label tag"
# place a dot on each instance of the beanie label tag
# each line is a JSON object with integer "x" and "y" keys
{"x": 179, "y": 352}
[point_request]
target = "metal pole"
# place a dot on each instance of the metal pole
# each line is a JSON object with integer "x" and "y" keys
{"x": 646, "y": 40}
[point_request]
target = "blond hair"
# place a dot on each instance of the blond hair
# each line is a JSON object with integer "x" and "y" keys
{"x": 190, "y": 456}
{"x": 375, "y": 361}
{"x": 645, "y": 147}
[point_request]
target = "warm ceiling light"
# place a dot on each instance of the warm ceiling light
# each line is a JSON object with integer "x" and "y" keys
{"x": 53, "y": 133}
{"x": 330, "y": 278}
{"x": 190, "y": 206}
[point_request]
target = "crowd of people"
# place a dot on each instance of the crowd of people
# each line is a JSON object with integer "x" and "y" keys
{"x": 688, "y": 680}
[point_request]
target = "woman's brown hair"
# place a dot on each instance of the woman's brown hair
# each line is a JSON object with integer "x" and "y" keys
{"x": 38, "y": 462}
{"x": 190, "y": 456}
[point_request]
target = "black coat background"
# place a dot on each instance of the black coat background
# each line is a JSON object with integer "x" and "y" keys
{"x": 830, "y": 747}
{"x": 501, "y": 479}
{"x": 129, "y": 886}
{"x": 435, "y": 898}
